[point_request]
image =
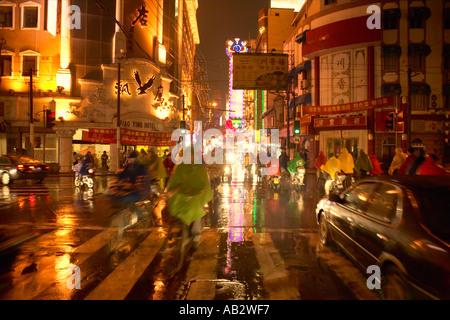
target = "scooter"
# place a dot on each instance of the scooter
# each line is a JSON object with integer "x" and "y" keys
{"x": 227, "y": 173}
{"x": 299, "y": 178}
{"x": 274, "y": 183}
{"x": 87, "y": 179}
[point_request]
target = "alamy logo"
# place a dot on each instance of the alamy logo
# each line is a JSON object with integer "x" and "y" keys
{"x": 74, "y": 281}
{"x": 74, "y": 19}
{"x": 374, "y": 280}
{"x": 374, "y": 21}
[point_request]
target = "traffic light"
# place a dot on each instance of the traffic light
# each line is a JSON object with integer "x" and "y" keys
{"x": 297, "y": 127}
{"x": 50, "y": 118}
{"x": 390, "y": 121}
{"x": 183, "y": 127}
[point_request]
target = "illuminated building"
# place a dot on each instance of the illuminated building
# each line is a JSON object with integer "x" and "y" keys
{"x": 69, "y": 45}
{"x": 338, "y": 60}
{"x": 236, "y": 103}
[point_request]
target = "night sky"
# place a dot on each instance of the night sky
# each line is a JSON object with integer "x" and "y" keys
{"x": 218, "y": 21}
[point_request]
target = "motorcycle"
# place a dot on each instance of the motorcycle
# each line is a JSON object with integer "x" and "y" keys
{"x": 227, "y": 173}
{"x": 275, "y": 183}
{"x": 299, "y": 178}
{"x": 87, "y": 179}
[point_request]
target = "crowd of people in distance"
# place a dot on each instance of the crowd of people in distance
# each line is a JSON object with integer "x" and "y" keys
{"x": 415, "y": 162}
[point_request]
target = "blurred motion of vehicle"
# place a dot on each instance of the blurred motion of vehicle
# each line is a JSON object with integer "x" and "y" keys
{"x": 399, "y": 223}
{"x": 299, "y": 178}
{"x": 21, "y": 168}
{"x": 87, "y": 179}
{"x": 227, "y": 173}
{"x": 275, "y": 183}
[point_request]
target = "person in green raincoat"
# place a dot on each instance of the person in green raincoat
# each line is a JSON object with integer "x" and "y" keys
{"x": 188, "y": 191}
{"x": 363, "y": 164}
{"x": 296, "y": 162}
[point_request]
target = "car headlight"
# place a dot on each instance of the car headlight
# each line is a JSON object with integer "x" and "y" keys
{"x": 91, "y": 171}
{"x": 227, "y": 170}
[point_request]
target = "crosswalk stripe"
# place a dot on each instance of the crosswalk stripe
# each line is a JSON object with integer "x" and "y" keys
{"x": 97, "y": 242}
{"x": 204, "y": 267}
{"x": 33, "y": 284}
{"x": 120, "y": 282}
{"x": 275, "y": 275}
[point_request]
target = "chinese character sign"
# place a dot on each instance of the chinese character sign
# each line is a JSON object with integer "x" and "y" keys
{"x": 260, "y": 71}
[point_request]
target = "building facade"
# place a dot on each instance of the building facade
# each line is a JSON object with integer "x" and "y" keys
{"x": 358, "y": 52}
{"x": 83, "y": 55}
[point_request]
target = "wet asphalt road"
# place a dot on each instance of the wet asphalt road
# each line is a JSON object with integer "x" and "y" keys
{"x": 256, "y": 245}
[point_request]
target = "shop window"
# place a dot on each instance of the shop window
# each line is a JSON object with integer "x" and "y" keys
{"x": 7, "y": 15}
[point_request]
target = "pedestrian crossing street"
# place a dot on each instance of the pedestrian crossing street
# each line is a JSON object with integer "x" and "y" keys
{"x": 133, "y": 271}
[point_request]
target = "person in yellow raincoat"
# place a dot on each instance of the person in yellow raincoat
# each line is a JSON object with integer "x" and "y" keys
{"x": 347, "y": 166}
{"x": 156, "y": 168}
{"x": 188, "y": 191}
{"x": 399, "y": 159}
{"x": 330, "y": 168}
{"x": 346, "y": 160}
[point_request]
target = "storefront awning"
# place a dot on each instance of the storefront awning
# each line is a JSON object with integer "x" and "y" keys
{"x": 420, "y": 88}
{"x": 391, "y": 50}
{"x": 301, "y": 37}
{"x": 306, "y": 65}
{"x": 389, "y": 89}
{"x": 419, "y": 12}
{"x": 419, "y": 48}
{"x": 392, "y": 13}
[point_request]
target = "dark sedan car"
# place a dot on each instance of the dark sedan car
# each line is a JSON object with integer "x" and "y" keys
{"x": 21, "y": 167}
{"x": 400, "y": 224}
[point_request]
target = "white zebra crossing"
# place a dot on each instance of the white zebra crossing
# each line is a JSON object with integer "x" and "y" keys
{"x": 202, "y": 268}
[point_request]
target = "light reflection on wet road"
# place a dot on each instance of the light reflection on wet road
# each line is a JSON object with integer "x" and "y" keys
{"x": 62, "y": 219}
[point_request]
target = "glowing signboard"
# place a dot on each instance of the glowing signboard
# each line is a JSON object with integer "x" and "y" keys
{"x": 236, "y": 96}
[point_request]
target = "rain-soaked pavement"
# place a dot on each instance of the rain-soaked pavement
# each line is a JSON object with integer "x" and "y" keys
{"x": 256, "y": 245}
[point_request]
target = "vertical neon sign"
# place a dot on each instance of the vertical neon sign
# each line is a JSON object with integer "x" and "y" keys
{"x": 236, "y": 96}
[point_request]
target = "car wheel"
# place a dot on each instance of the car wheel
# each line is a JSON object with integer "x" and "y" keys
{"x": 324, "y": 234}
{"x": 6, "y": 178}
{"x": 394, "y": 285}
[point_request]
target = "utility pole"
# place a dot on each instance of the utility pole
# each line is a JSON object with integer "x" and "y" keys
{"x": 118, "y": 116}
{"x": 408, "y": 110}
{"x": 31, "y": 116}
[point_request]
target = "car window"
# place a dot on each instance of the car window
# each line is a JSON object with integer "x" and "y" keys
{"x": 383, "y": 203}
{"x": 4, "y": 161}
{"x": 357, "y": 197}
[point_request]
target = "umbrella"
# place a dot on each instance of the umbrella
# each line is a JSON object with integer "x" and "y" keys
{"x": 84, "y": 151}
